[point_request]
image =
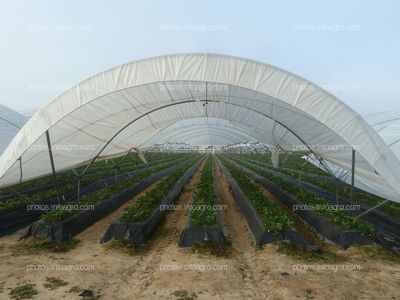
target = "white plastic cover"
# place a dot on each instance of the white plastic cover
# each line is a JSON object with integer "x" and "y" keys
{"x": 124, "y": 107}
{"x": 387, "y": 125}
{"x": 10, "y": 123}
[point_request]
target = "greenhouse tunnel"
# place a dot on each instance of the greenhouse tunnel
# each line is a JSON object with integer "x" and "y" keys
{"x": 196, "y": 99}
{"x": 10, "y": 123}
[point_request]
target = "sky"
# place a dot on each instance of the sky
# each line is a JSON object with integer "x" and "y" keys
{"x": 351, "y": 48}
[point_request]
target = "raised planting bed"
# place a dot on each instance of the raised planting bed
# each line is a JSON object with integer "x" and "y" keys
{"x": 139, "y": 221}
{"x": 267, "y": 222}
{"x": 108, "y": 169}
{"x": 329, "y": 185}
{"x": 387, "y": 226}
{"x": 62, "y": 225}
{"x": 303, "y": 170}
{"x": 67, "y": 182}
{"x": 204, "y": 222}
{"x": 337, "y": 226}
{"x": 20, "y": 216}
{"x": 31, "y": 191}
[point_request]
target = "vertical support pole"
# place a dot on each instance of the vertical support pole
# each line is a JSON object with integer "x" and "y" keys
{"x": 353, "y": 167}
{"x": 337, "y": 190}
{"x": 20, "y": 169}
{"x": 52, "y": 164}
{"x": 78, "y": 177}
{"x": 79, "y": 188}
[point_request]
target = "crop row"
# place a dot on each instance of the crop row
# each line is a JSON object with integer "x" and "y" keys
{"x": 64, "y": 176}
{"x": 146, "y": 204}
{"x": 344, "y": 190}
{"x": 204, "y": 197}
{"x": 104, "y": 167}
{"x": 21, "y": 201}
{"x": 294, "y": 162}
{"x": 272, "y": 216}
{"x": 340, "y": 217}
{"x": 103, "y": 194}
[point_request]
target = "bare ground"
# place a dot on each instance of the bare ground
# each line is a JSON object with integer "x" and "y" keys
{"x": 164, "y": 271}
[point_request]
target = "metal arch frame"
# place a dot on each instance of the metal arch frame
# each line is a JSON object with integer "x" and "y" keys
{"x": 240, "y": 127}
{"x": 166, "y": 147}
{"x": 201, "y": 126}
{"x": 183, "y": 134}
{"x": 386, "y": 121}
{"x": 181, "y": 102}
{"x": 219, "y": 133}
{"x": 191, "y": 101}
{"x": 128, "y": 124}
{"x": 199, "y": 81}
{"x": 11, "y": 123}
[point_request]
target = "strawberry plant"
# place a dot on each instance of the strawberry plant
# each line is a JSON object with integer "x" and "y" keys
{"x": 272, "y": 216}
{"x": 146, "y": 204}
{"x": 204, "y": 211}
{"x": 103, "y": 194}
{"x": 67, "y": 181}
{"x": 343, "y": 188}
{"x": 340, "y": 217}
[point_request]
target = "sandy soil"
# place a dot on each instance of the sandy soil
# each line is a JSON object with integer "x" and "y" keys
{"x": 164, "y": 271}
